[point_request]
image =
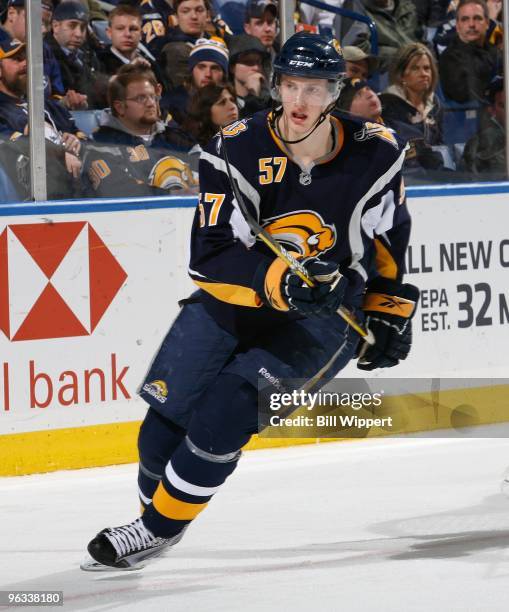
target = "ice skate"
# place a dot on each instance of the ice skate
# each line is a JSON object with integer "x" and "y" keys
{"x": 125, "y": 548}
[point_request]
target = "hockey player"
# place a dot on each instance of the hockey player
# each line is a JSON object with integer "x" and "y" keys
{"x": 328, "y": 188}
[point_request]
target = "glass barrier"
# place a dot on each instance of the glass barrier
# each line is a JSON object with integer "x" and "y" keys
{"x": 111, "y": 133}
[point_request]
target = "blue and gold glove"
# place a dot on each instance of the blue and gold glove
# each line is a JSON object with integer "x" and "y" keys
{"x": 389, "y": 308}
{"x": 285, "y": 290}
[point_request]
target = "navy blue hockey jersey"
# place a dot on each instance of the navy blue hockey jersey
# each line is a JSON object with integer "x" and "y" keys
{"x": 348, "y": 207}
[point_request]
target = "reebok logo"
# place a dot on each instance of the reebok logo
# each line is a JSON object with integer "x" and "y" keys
{"x": 56, "y": 280}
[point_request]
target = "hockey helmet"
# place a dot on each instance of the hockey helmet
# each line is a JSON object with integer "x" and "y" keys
{"x": 311, "y": 55}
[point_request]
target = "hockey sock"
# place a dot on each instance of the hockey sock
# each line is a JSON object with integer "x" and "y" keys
{"x": 157, "y": 440}
{"x": 224, "y": 422}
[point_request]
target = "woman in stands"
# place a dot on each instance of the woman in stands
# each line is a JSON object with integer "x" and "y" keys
{"x": 411, "y": 106}
{"x": 212, "y": 107}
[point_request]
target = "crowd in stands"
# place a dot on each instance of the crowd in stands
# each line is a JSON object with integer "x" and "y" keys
{"x": 132, "y": 93}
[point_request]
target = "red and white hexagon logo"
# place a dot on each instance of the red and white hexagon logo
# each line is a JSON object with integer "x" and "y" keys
{"x": 56, "y": 280}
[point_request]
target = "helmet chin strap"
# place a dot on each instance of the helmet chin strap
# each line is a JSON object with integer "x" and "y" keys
{"x": 276, "y": 113}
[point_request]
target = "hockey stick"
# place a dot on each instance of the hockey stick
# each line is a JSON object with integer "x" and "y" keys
{"x": 281, "y": 252}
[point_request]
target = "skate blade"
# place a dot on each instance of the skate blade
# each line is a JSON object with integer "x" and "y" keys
{"x": 91, "y": 565}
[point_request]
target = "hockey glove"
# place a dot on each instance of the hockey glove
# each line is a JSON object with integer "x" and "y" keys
{"x": 388, "y": 316}
{"x": 285, "y": 290}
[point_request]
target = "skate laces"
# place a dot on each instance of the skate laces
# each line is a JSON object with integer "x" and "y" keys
{"x": 130, "y": 538}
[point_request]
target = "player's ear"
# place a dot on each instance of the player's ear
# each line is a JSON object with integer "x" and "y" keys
{"x": 247, "y": 28}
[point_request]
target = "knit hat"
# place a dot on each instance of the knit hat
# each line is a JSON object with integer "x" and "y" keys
{"x": 350, "y": 88}
{"x": 71, "y": 9}
{"x": 209, "y": 50}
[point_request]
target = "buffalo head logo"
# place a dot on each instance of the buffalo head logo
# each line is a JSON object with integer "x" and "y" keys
{"x": 304, "y": 232}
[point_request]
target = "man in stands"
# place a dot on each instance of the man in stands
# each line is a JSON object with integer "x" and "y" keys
{"x": 78, "y": 63}
{"x": 247, "y": 58}
{"x": 396, "y": 24}
{"x": 60, "y": 129}
{"x": 485, "y": 152}
{"x": 14, "y": 25}
{"x": 261, "y": 21}
{"x": 135, "y": 153}
{"x": 359, "y": 65}
{"x": 470, "y": 62}
{"x": 208, "y": 63}
{"x": 357, "y": 98}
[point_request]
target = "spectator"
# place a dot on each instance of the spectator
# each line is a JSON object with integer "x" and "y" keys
{"x": 411, "y": 107}
{"x": 158, "y": 17}
{"x": 60, "y": 128}
{"x": 357, "y": 98}
{"x": 247, "y": 55}
{"x": 396, "y": 24}
{"x": 134, "y": 151}
{"x": 470, "y": 62}
{"x": 213, "y": 107}
{"x": 359, "y": 64}
{"x": 192, "y": 17}
{"x": 124, "y": 30}
{"x": 485, "y": 152}
{"x": 174, "y": 63}
{"x": 78, "y": 63}
{"x": 446, "y": 32}
{"x": 15, "y": 27}
{"x": 261, "y": 22}
{"x": 207, "y": 63}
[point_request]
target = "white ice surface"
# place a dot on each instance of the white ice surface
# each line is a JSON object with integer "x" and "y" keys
{"x": 379, "y": 525}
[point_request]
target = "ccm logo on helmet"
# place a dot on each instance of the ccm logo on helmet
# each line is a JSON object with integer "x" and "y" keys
{"x": 300, "y": 63}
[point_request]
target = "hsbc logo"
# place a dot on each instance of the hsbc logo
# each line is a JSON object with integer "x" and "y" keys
{"x": 56, "y": 280}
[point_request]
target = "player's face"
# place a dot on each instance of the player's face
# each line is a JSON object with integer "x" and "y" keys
{"x": 265, "y": 29}
{"x": 471, "y": 24}
{"x": 140, "y": 107}
{"x": 70, "y": 33}
{"x": 13, "y": 72}
{"x": 303, "y": 101}
{"x": 366, "y": 104}
{"x": 357, "y": 70}
{"x": 205, "y": 73}
{"x": 192, "y": 17}
{"x": 225, "y": 110}
{"x": 417, "y": 76}
{"x": 125, "y": 33}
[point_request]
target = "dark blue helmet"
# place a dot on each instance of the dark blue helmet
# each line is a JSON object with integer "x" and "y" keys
{"x": 311, "y": 56}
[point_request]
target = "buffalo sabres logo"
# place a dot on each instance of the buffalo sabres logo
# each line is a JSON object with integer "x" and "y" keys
{"x": 370, "y": 130}
{"x": 304, "y": 232}
{"x": 172, "y": 174}
{"x": 157, "y": 389}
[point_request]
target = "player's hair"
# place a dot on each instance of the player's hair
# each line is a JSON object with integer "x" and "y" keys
{"x": 200, "y": 110}
{"x": 403, "y": 58}
{"x": 177, "y": 3}
{"x": 123, "y": 10}
{"x": 481, "y": 3}
{"x": 118, "y": 84}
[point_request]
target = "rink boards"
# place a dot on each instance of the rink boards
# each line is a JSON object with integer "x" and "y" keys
{"x": 89, "y": 289}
